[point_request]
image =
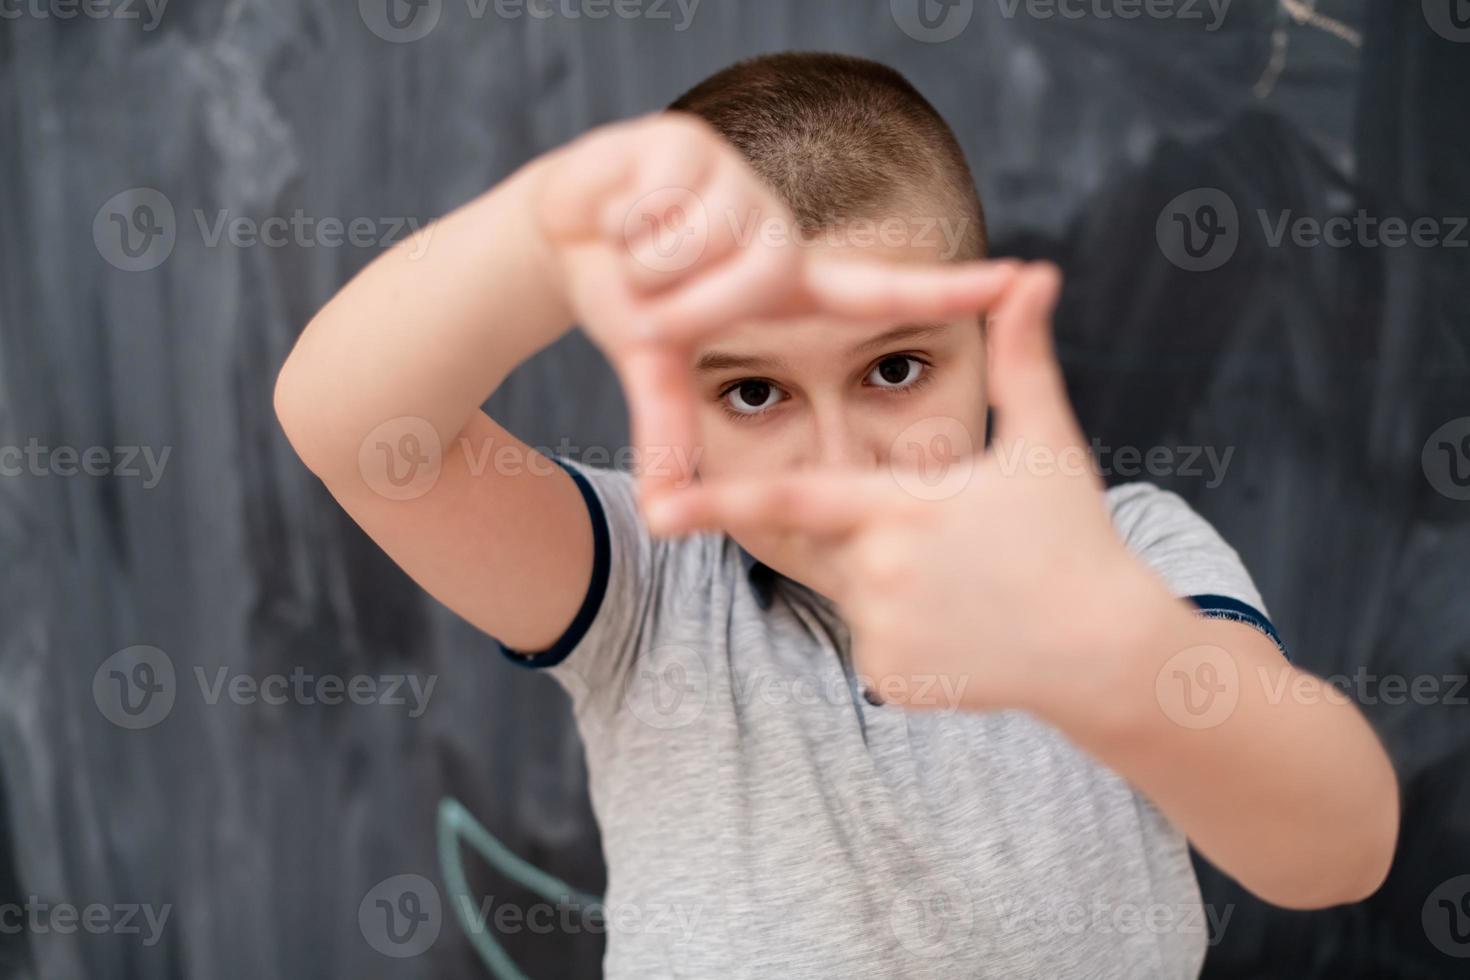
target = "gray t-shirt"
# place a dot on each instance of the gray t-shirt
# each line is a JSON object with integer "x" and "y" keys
{"x": 761, "y": 818}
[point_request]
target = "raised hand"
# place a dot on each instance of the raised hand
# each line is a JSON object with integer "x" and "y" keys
{"x": 1004, "y": 577}
{"x": 664, "y": 235}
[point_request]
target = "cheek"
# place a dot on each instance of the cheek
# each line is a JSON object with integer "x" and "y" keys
{"x": 949, "y": 413}
{"x": 731, "y": 448}
{"x": 720, "y": 449}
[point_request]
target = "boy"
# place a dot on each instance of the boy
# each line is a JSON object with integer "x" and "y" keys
{"x": 866, "y": 699}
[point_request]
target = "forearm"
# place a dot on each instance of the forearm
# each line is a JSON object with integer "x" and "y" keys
{"x": 1272, "y": 774}
{"x": 428, "y": 330}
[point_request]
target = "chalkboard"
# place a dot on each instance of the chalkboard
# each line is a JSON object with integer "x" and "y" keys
{"x": 185, "y": 185}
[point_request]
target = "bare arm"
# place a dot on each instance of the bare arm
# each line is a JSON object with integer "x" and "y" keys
{"x": 1272, "y": 773}
{"x": 427, "y": 332}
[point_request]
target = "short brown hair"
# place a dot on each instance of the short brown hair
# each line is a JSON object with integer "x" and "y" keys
{"x": 839, "y": 138}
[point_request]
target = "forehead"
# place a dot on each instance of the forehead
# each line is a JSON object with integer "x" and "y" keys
{"x": 826, "y": 335}
{"x": 896, "y": 237}
{"x": 776, "y": 345}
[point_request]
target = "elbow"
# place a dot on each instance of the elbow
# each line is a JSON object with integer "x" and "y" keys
{"x": 1355, "y": 885}
{"x": 1327, "y": 892}
{"x": 1366, "y": 885}
{"x": 1314, "y": 889}
{"x": 1375, "y": 855}
{"x": 286, "y": 401}
{"x": 1353, "y": 874}
{"x": 1377, "y": 841}
{"x": 292, "y": 401}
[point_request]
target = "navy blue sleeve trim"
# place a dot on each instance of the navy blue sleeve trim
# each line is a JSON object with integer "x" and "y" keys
{"x": 1224, "y": 607}
{"x": 596, "y": 589}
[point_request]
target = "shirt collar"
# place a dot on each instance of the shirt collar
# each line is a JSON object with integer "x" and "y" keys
{"x": 765, "y": 580}
{"x": 762, "y": 577}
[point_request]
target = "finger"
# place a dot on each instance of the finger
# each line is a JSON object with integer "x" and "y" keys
{"x": 826, "y": 503}
{"x": 1027, "y": 387}
{"x": 660, "y": 392}
{"x": 584, "y": 175}
{"x": 680, "y": 230}
{"x": 676, "y": 154}
{"x": 763, "y": 279}
{"x": 755, "y": 281}
{"x": 872, "y": 290}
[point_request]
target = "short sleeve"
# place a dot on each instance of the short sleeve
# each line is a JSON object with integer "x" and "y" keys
{"x": 1190, "y": 556}
{"x": 598, "y": 648}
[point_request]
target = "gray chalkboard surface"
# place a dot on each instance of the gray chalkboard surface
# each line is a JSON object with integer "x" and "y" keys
{"x": 171, "y": 173}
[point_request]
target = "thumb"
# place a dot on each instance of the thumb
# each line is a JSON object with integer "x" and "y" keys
{"x": 661, "y": 402}
{"x": 1026, "y": 384}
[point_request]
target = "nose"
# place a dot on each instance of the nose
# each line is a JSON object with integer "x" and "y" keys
{"x": 841, "y": 439}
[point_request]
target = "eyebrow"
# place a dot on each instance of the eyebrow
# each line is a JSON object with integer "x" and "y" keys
{"x": 716, "y": 360}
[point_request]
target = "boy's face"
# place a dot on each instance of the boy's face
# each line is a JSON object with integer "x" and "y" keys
{"x": 776, "y": 397}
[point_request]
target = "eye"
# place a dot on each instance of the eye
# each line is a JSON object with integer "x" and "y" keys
{"x": 752, "y": 397}
{"x": 896, "y": 371}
